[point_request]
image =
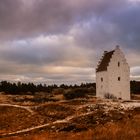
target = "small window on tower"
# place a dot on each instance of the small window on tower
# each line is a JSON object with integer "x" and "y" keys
{"x": 119, "y": 78}
{"x": 101, "y": 79}
{"x": 118, "y": 64}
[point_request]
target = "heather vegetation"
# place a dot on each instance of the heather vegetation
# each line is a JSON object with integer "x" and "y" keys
{"x": 78, "y": 93}
{"x": 30, "y": 111}
{"x": 86, "y": 119}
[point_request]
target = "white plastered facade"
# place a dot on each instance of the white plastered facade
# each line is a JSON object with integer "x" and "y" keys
{"x": 116, "y": 79}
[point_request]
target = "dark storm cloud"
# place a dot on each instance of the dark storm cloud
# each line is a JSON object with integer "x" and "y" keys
{"x": 10, "y": 17}
{"x": 20, "y": 18}
{"x": 127, "y": 21}
{"x": 118, "y": 24}
{"x": 108, "y": 20}
{"x": 59, "y": 40}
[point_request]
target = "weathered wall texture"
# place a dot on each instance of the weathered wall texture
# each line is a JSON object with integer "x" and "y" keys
{"x": 115, "y": 80}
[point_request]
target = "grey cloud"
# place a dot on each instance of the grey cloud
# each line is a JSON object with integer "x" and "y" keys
{"x": 135, "y": 71}
{"x": 49, "y": 74}
{"x": 58, "y": 51}
{"x": 47, "y": 16}
{"x": 127, "y": 22}
{"x": 75, "y": 33}
{"x": 118, "y": 24}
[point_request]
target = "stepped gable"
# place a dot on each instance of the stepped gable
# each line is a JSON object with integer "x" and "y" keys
{"x": 105, "y": 61}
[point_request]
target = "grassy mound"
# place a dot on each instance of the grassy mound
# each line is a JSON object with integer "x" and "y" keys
{"x": 53, "y": 112}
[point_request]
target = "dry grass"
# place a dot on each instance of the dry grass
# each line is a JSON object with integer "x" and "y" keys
{"x": 124, "y": 130}
{"x": 53, "y": 111}
{"x": 93, "y": 126}
{"x": 12, "y": 118}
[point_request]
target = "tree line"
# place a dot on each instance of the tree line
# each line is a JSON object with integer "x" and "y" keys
{"x": 31, "y": 88}
{"x": 135, "y": 87}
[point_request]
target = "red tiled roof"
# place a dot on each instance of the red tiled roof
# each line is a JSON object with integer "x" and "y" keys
{"x": 105, "y": 61}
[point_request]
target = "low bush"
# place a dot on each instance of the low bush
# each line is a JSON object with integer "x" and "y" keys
{"x": 58, "y": 91}
{"x": 109, "y": 96}
{"x": 35, "y": 100}
{"x": 75, "y": 93}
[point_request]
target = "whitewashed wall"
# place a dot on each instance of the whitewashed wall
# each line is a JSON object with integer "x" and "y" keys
{"x": 120, "y": 89}
{"x": 110, "y": 83}
{"x": 101, "y": 86}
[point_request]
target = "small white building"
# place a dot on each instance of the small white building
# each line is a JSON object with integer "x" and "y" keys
{"x": 113, "y": 75}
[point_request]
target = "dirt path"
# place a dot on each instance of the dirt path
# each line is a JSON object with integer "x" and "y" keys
{"x": 18, "y": 106}
{"x": 106, "y": 105}
{"x": 66, "y": 120}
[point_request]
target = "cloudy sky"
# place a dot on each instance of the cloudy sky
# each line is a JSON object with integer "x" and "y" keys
{"x": 60, "y": 41}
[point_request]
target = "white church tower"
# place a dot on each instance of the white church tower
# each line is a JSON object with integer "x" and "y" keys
{"x": 113, "y": 75}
